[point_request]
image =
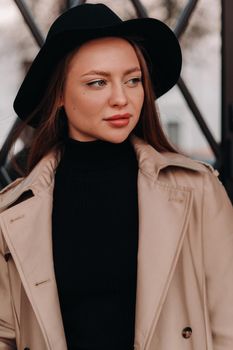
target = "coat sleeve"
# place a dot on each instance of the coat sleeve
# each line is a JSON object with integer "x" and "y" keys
{"x": 7, "y": 332}
{"x": 218, "y": 259}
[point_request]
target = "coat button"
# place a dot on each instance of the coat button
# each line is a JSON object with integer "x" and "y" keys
{"x": 187, "y": 332}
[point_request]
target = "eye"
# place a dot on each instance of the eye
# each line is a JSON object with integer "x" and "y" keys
{"x": 97, "y": 83}
{"x": 134, "y": 81}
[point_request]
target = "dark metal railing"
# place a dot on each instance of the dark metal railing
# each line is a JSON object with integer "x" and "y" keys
{"x": 140, "y": 9}
{"x": 200, "y": 120}
{"x": 26, "y": 13}
{"x": 184, "y": 17}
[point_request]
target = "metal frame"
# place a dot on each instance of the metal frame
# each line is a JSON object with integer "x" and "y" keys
{"x": 223, "y": 152}
{"x": 27, "y": 16}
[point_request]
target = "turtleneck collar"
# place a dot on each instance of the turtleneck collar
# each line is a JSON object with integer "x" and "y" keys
{"x": 97, "y": 154}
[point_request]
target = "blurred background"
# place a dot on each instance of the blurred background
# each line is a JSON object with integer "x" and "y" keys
{"x": 194, "y": 113}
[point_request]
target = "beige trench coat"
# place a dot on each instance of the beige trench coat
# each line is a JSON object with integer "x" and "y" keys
{"x": 185, "y": 258}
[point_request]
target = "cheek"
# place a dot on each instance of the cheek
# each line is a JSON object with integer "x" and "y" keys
{"x": 84, "y": 106}
{"x": 88, "y": 99}
{"x": 77, "y": 101}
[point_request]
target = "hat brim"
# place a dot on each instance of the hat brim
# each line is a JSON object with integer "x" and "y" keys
{"x": 159, "y": 42}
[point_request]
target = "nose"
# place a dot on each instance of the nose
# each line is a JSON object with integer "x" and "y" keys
{"x": 118, "y": 97}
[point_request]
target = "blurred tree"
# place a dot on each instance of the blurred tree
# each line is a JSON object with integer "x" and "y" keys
{"x": 169, "y": 11}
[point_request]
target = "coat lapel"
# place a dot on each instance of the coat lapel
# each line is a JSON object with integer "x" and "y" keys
{"x": 27, "y": 230}
{"x": 163, "y": 217}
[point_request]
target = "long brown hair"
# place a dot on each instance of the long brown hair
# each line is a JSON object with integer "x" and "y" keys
{"x": 53, "y": 128}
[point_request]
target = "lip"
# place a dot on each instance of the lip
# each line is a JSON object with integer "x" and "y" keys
{"x": 118, "y": 116}
{"x": 118, "y": 123}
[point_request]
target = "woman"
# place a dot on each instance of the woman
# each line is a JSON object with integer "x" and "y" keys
{"x": 112, "y": 239}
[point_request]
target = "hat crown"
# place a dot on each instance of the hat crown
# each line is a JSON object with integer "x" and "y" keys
{"x": 84, "y": 17}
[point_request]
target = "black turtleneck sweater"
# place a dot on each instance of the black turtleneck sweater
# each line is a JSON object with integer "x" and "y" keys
{"x": 95, "y": 240}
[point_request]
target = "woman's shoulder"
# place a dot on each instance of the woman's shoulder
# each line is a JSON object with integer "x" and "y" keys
{"x": 11, "y": 187}
{"x": 179, "y": 160}
{"x": 151, "y": 159}
{"x": 37, "y": 181}
{"x": 154, "y": 162}
{"x": 190, "y": 171}
{"x": 199, "y": 177}
{"x": 9, "y": 192}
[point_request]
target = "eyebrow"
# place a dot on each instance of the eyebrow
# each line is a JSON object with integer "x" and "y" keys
{"x": 107, "y": 74}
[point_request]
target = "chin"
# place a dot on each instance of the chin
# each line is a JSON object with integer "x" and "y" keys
{"x": 121, "y": 137}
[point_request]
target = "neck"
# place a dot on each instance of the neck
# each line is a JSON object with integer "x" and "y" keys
{"x": 96, "y": 154}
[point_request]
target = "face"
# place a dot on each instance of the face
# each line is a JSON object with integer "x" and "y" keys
{"x": 103, "y": 92}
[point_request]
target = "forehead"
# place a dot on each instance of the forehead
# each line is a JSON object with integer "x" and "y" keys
{"x": 103, "y": 53}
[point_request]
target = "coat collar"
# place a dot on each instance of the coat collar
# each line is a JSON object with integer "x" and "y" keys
{"x": 152, "y": 162}
{"x": 41, "y": 177}
{"x": 163, "y": 217}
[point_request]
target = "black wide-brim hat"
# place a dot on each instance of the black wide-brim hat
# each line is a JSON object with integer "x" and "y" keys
{"x": 89, "y": 21}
